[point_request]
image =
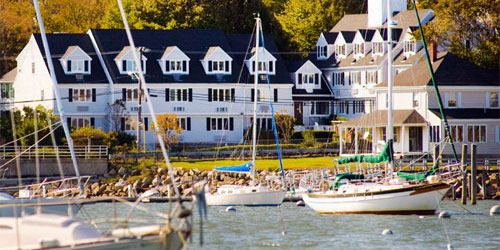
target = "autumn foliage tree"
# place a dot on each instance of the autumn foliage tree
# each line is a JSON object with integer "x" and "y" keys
{"x": 284, "y": 126}
{"x": 168, "y": 126}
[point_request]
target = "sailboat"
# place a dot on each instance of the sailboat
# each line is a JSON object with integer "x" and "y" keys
{"x": 393, "y": 195}
{"x": 51, "y": 231}
{"x": 253, "y": 195}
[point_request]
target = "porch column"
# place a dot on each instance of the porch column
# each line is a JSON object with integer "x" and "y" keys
{"x": 374, "y": 145}
{"x": 341, "y": 141}
{"x": 402, "y": 139}
{"x": 356, "y": 140}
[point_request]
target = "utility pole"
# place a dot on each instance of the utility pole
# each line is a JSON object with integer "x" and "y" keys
{"x": 139, "y": 102}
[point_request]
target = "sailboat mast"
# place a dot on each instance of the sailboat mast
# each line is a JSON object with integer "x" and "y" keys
{"x": 255, "y": 87}
{"x": 390, "y": 130}
{"x": 57, "y": 93}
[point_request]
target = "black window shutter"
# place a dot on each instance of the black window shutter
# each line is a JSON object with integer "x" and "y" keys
{"x": 233, "y": 95}
{"x": 86, "y": 65}
{"x": 275, "y": 95}
{"x": 92, "y": 122}
{"x": 188, "y": 125}
{"x": 231, "y": 123}
{"x": 124, "y": 94}
{"x": 271, "y": 66}
{"x": 325, "y": 48}
{"x": 209, "y": 66}
{"x": 190, "y": 94}
{"x": 94, "y": 95}
{"x": 184, "y": 66}
{"x": 208, "y": 123}
{"x": 253, "y": 66}
{"x": 167, "y": 66}
{"x": 316, "y": 81}
{"x": 227, "y": 66}
{"x": 122, "y": 124}
{"x": 300, "y": 78}
{"x": 252, "y": 98}
{"x": 209, "y": 95}
{"x": 342, "y": 78}
{"x": 124, "y": 65}
{"x": 69, "y": 65}
{"x": 68, "y": 122}
{"x": 167, "y": 95}
{"x": 70, "y": 95}
{"x": 146, "y": 124}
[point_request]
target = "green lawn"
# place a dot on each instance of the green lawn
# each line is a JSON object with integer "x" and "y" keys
{"x": 267, "y": 164}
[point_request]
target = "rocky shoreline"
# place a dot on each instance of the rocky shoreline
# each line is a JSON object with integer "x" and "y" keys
{"x": 118, "y": 182}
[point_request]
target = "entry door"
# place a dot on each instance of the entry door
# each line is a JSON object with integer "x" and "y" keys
{"x": 298, "y": 112}
{"x": 415, "y": 139}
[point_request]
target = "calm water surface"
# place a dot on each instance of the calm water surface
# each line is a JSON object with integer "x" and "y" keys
{"x": 260, "y": 228}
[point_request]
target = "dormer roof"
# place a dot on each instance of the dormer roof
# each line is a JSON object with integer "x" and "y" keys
{"x": 262, "y": 53}
{"x": 396, "y": 34}
{"x": 73, "y": 49}
{"x": 367, "y": 34}
{"x": 214, "y": 50}
{"x": 348, "y": 36}
{"x": 170, "y": 50}
{"x": 330, "y": 36}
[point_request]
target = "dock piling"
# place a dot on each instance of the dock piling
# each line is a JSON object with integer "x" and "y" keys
{"x": 473, "y": 173}
{"x": 464, "y": 176}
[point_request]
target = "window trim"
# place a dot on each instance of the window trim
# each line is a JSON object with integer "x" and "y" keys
{"x": 480, "y": 134}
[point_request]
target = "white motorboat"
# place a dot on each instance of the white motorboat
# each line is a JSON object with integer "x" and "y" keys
{"x": 378, "y": 198}
{"x": 254, "y": 195}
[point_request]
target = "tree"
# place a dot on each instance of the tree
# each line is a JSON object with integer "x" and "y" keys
{"x": 168, "y": 126}
{"x": 284, "y": 126}
{"x": 468, "y": 29}
{"x": 303, "y": 20}
{"x": 116, "y": 112}
{"x": 81, "y": 136}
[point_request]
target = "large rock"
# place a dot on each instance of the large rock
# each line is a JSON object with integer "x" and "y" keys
{"x": 156, "y": 181}
{"x": 137, "y": 184}
{"x": 147, "y": 181}
{"x": 112, "y": 172}
{"x": 187, "y": 178}
{"x": 122, "y": 171}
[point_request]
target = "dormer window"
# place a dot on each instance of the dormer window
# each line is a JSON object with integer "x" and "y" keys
{"x": 321, "y": 51}
{"x": 265, "y": 65}
{"x": 359, "y": 49}
{"x": 217, "y": 61}
{"x": 340, "y": 50}
{"x": 126, "y": 63}
{"x": 378, "y": 48}
{"x": 75, "y": 61}
{"x": 174, "y": 61}
{"x": 409, "y": 47}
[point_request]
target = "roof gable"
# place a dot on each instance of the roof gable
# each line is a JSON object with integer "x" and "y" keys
{"x": 308, "y": 67}
{"x": 75, "y": 53}
{"x": 216, "y": 53}
{"x": 174, "y": 53}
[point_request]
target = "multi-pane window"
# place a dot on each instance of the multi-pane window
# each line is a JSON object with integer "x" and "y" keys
{"x": 175, "y": 65}
{"x": 409, "y": 47}
{"x": 476, "y": 133}
{"x": 452, "y": 99}
{"x": 179, "y": 95}
{"x": 372, "y": 76}
{"x": 221, "y": 95}
{"x": 80, "y": 122}
{"x": 359, "y": 106}
{"x": 82, "y": 95}
{"x": 32, "y": 68}
{"x": 359, "y": 48}
{"x": 320, "y": 108}
{"x": 129, "y": 66}
{"x": 185, "y": 123}
{"x": 338, "y": 78}
{"x": 340, "y": 50}
{"x": 395, "y": 134}
{"x": 130, "y": 123}
{"x": 457, "y": 133}
{"x": 263, "y": 123}
{"x": 77, "y": 65}
{"x": 341, "y": 107}
{"x": 321, "y": 51}
{"x": 378, "y": 48}
{"x": 308, "y": 78}
{"x": 132, "y": 95}
{"x": 356, "y": 77}
{"x": 435, "y": 133}
{"x": 219, "y": 124}
{"x": 494, "y": 103}
{"x": 218, "y": 66}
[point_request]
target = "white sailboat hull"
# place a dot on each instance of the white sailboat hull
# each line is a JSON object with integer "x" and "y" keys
{"x": 246, "y": 197}
{"x": 23, "y": 206}
{"x": 418, "y": 199}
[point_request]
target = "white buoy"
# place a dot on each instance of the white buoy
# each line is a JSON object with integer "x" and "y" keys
{"x": 387, "y": 231}
{"x": 230, "y": 209}
{"x": 421, "y": 217}
{"x": 495, "y": 210}
{"x": 444, "y": 215}
{"x": 450, "y": 247}
{"x": 300, "y": 204}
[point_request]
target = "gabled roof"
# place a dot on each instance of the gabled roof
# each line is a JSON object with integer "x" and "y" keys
{"x": 348, "y": 36}
{"x": 59, "y": 44}
{"x": 396, "y": 34}
{"x": 293, "y": 66}
{"x": 469, "y": 113}
{"x": 354, "y": 22}
{"x": 170, "y": 49}
{"x": 367, "y": 34}
{"x": 378, "y": 118}
{"x": 330, "y": 37}
{"x": 69, "y": 51}
{"x": 449, "y": 70}
{"x": 9, "y": 76}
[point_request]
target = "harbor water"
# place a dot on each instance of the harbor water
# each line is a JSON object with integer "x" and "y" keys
{"x": 470, "y": 227}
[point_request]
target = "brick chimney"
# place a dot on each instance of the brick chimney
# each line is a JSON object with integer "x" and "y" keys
{"x": 433, "y": 51}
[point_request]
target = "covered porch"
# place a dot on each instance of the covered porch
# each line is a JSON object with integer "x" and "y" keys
{"x": 367, "y": 133}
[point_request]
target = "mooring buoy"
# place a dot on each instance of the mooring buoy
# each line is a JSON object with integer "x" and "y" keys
{"x": 300, "y": 204}
{"x": 230, "y": 209}
{"x": 444, "y": 215}
{"x": 495, "y": 210}
{"x": 450, "y": 247}
{"x": 387, "y": 231}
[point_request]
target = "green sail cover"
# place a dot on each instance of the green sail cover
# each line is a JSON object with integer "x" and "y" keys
{"x": 385, "y": 156}
{"x": 418, "y": 176}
